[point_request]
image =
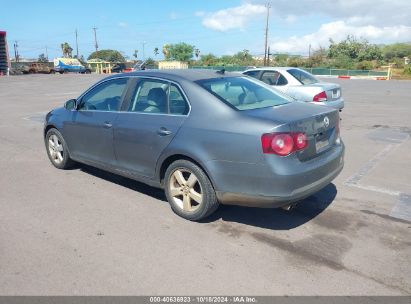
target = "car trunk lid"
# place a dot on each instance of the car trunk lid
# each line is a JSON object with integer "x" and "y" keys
{"x": 318, "y": 123}
{"x": 332, "y": 90}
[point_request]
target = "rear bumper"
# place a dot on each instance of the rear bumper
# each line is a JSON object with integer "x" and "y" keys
{"x": 337, "y": 104}
{"x": 249, "y": 200}
{"x": 276, "y": 182}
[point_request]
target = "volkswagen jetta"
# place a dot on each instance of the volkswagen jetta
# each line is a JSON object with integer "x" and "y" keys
{"x": 206, "y": 137}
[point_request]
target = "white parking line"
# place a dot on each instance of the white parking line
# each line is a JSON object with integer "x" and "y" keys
{"x": 355, "y": 179}
{"x": 402, "y": 209}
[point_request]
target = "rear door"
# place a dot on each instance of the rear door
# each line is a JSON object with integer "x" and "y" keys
{"x": 154, "y": 112}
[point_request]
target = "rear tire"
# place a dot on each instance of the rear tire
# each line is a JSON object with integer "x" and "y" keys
{"x": 57, "y": 150}
{"x": 189, "y": 191}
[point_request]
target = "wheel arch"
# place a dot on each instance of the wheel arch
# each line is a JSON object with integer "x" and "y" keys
{"x": 48, "y": 127}
{"x": 172, "y": 158}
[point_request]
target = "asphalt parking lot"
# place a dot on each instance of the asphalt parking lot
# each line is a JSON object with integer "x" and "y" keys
{"x": 86, "y": 232}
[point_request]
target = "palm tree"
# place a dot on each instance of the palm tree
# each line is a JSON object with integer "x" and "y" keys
{"x": 135, "y": 54}
{"x": 156, "y": 51}
{"x": 66, "y": 49}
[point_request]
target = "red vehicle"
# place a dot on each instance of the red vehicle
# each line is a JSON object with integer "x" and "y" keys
{"x": 4, "y": 55}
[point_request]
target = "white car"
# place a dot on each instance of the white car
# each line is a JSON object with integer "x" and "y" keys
{"x": 300, "y": 85}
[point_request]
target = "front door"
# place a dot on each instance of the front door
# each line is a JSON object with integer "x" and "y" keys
{"x": 89, "y": 133}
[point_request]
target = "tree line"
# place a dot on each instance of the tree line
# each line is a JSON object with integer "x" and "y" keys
{"x": 351, "y": 53}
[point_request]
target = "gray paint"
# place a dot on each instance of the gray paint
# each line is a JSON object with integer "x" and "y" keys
{"x": 225, "y": 142}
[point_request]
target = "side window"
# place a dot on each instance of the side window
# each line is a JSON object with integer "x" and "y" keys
{"x": 270, "y": 77}
{"x": 178, "y": 104}
{"x": 282, "y": 80}
{"x": 105, "y": 97}
{"x": 156, "y": 96}
{"x": 252, "y": 73}
{"x": 150, "y": 96}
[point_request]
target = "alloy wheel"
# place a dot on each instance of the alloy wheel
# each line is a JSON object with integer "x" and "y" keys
{"x": 185, "y": 190}
{"x": 56, "y": 150}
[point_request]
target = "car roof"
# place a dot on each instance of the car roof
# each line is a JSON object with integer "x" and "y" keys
{"x": 272, "y": 68}
{"x": 179, "y": 74}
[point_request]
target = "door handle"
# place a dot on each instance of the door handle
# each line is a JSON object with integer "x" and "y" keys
{"x": 163, "y": 131}
{"x": 107, "y": 124}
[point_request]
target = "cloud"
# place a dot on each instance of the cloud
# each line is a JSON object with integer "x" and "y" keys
{"x": 365, "y": 12}
{"x": 338, "y": 30}
{"x": 233, "y": 18}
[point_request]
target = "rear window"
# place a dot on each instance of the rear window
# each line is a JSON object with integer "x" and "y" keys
{"x": 243, "y": 93}
{"x": 252, "y": 73}
{"x": 302, "y": 76}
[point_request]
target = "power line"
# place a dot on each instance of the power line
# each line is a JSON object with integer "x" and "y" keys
{"x": 268, "y": 6}
{"x": 95, "y": 39}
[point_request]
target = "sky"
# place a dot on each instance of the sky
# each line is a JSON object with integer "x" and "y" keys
{"x": 220, "y": 27}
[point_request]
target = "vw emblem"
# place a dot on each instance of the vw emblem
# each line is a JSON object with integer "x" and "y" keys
{"x": 326, "y": 121}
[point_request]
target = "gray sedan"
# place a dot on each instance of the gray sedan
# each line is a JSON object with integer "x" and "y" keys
{"x": 300, "y": 85}
{"x": 205, "y": 137}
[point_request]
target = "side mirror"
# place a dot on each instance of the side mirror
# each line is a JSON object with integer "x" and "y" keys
{"x": 71, "y": 104}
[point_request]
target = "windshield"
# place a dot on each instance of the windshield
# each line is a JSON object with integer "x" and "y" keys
{"x": 243, "y": 93}
{"x": 302, "y": 76}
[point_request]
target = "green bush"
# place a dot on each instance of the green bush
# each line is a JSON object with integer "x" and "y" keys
{"x": 364, "y": 65}
{"x": 407, "y": 70}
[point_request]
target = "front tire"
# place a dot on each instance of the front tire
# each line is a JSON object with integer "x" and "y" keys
{"x": 189, "y": 191}
{"x": 57, "y": 150}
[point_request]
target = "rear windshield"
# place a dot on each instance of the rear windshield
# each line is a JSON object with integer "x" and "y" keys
{"x": 302, "y": 76}
{"x": 243, "y": 93}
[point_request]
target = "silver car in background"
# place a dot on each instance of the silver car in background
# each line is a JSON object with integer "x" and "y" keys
{"x": 301, "y": 85}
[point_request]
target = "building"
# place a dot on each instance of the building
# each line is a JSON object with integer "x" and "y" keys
{"x": 166, "y": 65}
{"x": 4, "y": 54}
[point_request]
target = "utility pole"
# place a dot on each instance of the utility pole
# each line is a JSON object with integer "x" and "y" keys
{"x": 47, "y": 54}
{"x": 76, "y": 44}
{"x": 95, "y": 39}
{"x": 16, "y": 52}
{"x": 309, "y": 51}
{"x": 144, "y": 43}
{"x": 268, "y": 6}
{"x": 268, "y": 56}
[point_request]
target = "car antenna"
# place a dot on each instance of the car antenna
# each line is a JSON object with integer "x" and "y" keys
{"x": 222, "y": 71}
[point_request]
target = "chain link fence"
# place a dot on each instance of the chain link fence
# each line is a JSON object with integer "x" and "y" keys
{"x": 314, "y": 71}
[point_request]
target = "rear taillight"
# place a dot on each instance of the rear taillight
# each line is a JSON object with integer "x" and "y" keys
{"x": 283, "y": 143}
{"x": 300, "y": 141}
{"x": 320, "y": 97}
